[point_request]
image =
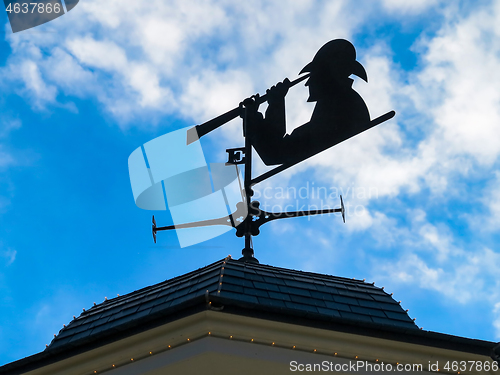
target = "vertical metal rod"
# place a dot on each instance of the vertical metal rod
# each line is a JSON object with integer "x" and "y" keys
{"x": 247, "y": 252}
{"x": 247, "y": 183}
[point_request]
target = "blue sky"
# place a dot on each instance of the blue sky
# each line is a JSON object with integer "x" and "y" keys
{"x": 80, "y": 93}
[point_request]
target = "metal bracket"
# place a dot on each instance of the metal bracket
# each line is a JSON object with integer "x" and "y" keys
{"x": 258, "y": 217}
{"x": 252, "y": 221}
{"x": 235, "y": 156}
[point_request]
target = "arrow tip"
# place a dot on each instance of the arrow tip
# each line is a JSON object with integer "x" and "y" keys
{"x": 342, "y": 208}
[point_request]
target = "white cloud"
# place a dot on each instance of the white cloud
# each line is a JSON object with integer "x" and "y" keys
{"x": 213, "y": 93}
{"x": 408, "y": 6}
{"x": 9, "y": 255}
{"x": 436, "y": 240}
{"x": 6, "y": 158}
{"x": 38, "y": 89}
{"x": 150, "y": 55}
{"x": 466, "y": 276}
{"x": 430, "y": 256}
{"x": 490, "y": 198}
{"x": 496, "y": 323}
{"x": 462, "y": 76}
{"x": 8, "y": 124}
{"x": 456, "y": 92}
{"x": 146, "y": 83}
{"x": 105, "y": 55}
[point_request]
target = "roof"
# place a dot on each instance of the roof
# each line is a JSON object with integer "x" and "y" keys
{"x": 247, "y": 289}
{"x": 252, "y": 286}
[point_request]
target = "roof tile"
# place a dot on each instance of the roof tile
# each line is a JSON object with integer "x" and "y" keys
{"x": 266, "y": 286}
{"x": 239, "y": 296}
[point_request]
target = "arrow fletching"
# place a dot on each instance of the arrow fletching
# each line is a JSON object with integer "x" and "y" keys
{"x": 154, "y": 228}
{"x": 342, "y": 208}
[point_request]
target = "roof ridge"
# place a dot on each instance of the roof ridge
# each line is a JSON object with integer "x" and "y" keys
{"x": 315, "y": 274}
{"x": 108, "y": 303}
{"x": 127, "y": 296}
{"x": 221, "y": 274}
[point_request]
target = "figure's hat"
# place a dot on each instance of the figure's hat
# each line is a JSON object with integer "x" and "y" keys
{"x": 338, "y": 57}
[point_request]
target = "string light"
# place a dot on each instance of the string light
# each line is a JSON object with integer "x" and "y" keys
{"x": 252, "y": 340}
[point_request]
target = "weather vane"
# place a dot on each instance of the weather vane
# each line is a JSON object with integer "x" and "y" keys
{"x": 171, "y": 170}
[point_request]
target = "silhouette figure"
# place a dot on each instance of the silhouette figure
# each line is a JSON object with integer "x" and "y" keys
{"x": 339, "y": 114}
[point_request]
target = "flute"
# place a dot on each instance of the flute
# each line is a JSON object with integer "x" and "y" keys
{"x": 199, "y": 131}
